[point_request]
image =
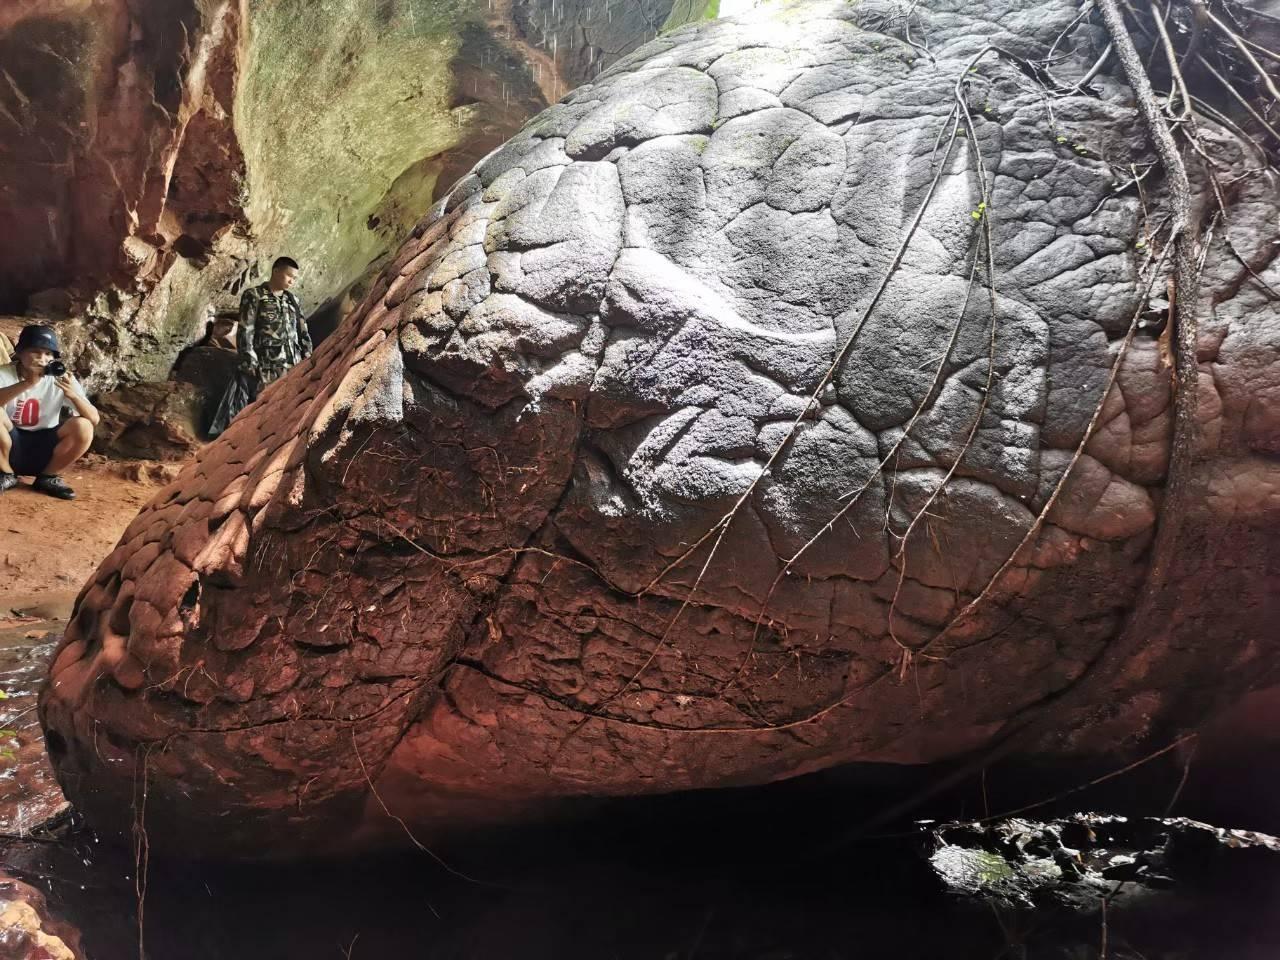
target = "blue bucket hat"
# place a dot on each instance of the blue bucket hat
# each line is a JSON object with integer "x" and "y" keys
{"x": 38, "y": 337}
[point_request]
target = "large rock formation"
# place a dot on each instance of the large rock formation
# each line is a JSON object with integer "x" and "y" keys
{"x": 158, "y": 154}
{"x": 698, "y": 438}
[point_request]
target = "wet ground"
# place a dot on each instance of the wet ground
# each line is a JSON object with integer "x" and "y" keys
{"x": 29, "y": 796}
{"x": 48, "y": 548}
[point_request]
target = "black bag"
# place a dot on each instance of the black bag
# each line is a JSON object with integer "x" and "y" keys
{"x": 241, "y": 391}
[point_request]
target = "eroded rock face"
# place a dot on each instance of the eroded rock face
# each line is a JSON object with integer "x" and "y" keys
{"x": 671, "y": 447}
{"x": 150, "y": 421}
{"x": 121, "y": 173}
{"x": 92, "y": 113}
{"x": 159, "y": 154}
{"x": 27, "y": 929}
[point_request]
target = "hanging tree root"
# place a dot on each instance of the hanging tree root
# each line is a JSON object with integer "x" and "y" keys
{"x": 1183, "y": 239}
{"x": 1181, "y": 245}
{"x": 986, "y": 243}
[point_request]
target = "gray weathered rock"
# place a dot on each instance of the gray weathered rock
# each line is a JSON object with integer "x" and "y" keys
{"x": 1088, "y": 862}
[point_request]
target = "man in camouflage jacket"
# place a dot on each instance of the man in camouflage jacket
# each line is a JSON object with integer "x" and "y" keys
{"x": 273, "y": 333}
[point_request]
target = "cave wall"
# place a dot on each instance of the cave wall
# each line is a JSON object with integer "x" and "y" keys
{"x": 93, "y": 99}
{"x": 156, "y": 155}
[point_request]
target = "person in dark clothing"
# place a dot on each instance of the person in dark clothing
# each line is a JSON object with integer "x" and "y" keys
{"x": 273, "y": 333}
{"x": 273, "y": 337}
{"x": 220, "y": 332}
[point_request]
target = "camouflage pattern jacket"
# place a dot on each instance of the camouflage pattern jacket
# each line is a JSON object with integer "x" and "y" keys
{"x": 273, "y": 333}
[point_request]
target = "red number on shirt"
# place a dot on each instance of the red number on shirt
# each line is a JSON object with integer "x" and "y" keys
{"x": 29, "y": 413}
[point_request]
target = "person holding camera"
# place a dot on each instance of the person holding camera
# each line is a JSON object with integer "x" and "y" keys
{"x": 34, "y": 391}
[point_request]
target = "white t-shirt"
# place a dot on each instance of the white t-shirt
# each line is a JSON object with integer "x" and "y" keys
{"x": 40, "y": 408}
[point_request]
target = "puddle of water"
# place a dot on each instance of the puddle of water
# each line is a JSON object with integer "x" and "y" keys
{"x": 29, "y": 794}
{"x": 621, "y": 889}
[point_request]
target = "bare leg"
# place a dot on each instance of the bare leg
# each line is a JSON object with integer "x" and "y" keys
{"x": 6, "y": 442}
{"x": 74, "y": 438}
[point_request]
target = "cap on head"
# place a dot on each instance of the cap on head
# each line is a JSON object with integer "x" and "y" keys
{"x": 37, "y": 336}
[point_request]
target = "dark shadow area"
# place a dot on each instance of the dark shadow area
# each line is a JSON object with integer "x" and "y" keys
{"x": 777, "y": 872}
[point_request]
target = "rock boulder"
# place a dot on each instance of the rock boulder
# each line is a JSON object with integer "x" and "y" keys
{"x": 750, "y": 412}
{"x": 150, "y": 421}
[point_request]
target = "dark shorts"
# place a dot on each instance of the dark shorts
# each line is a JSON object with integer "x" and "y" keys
{"x": 32, "y": 450}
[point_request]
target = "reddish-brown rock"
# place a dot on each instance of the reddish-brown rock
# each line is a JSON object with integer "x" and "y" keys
{"x": 27, "y": 929}
{"x": 150, "y": 421}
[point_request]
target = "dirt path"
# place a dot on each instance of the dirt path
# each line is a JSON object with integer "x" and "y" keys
{"x": 48, "y": 547}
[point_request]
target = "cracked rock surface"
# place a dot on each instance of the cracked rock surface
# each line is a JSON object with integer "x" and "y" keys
{"x": 671, "y": 446}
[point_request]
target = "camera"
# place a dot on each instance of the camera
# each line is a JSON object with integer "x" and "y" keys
{"x": 56, "y": 368}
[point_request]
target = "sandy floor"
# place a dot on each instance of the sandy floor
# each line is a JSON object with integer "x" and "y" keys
{"x": 49, "y": 547}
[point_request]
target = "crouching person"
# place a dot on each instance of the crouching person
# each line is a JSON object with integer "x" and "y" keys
{"x": 34, "y": 391}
